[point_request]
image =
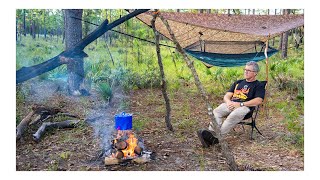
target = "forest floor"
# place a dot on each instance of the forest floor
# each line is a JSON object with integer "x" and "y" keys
{"x": 80, "y": 148}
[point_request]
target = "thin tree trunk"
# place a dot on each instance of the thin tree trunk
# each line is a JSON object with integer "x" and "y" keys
{"x": 24, "y": 23}
{"x": 280, "y": 42}
{"x": 225, "y": 149}
{"x": 44, "y": 24}
{"x": 33, "y": 29}
{"x": 16, "y": 29}
{"x": 110, "y": 39}
{"x": 163, "y": 84}
{"x": 285, "y": 39}
{"x": 64, "y": 26}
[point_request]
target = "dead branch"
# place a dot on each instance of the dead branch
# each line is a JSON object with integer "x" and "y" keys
{"x": 50, "y": 125}
{"x": 23, "y": 124}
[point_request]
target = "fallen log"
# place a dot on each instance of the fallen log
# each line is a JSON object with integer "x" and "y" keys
{"x": 23, "y": 124}
{"x": 45, "y": 116}
{"x": 49, "y": 125}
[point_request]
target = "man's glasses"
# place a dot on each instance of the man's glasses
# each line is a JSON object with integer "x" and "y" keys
{"x": 248, "y": 70}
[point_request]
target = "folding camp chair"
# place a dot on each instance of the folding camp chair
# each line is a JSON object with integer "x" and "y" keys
{"x": 253, "y": 115}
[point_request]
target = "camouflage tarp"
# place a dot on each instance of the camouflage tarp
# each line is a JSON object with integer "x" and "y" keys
{"x": 222, "y": 33}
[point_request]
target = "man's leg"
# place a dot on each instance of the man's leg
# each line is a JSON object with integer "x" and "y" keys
{"x": 221, "y": 111}
{"x": 233, "y": 119}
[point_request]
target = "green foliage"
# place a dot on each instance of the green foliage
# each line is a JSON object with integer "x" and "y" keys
{"x": 139, "y": 124}
{"x": 105, "y": 90}
{"x": 295, "y": 124}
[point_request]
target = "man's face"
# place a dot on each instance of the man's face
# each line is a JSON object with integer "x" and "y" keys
{"x": 249, "y": 72}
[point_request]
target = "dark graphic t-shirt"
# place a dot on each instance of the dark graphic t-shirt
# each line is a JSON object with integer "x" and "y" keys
{"x": 245, "y": 91}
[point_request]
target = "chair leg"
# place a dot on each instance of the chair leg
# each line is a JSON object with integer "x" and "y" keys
{"x": 257, "y": 130}
{"x": 252, "y": 127}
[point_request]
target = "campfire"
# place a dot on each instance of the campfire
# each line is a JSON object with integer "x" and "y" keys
{"x": 126, "y": 146}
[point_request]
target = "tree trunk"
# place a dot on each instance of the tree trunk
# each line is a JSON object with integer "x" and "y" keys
{"x": 110, "y": 39}
{"x": 33, "y": 29}
{"x": 284, "y": 44}
{"x": 225, "y": 149}
{"x": 73, "y": 36}
{"x": 280, "y": 42}
{"x": 209, "y": 11}
{"x": 44, "y": 25}
{"x": 64, "y": 26}
{"x": 164, "y": 83}
{"x": 16, "y": 29}
{"x": 24, "y": 22}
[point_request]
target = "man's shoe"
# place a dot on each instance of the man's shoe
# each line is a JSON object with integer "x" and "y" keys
{"x": 207, "y": 138}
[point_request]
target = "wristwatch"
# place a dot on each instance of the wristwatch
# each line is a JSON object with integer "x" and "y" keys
{"x": 241, "y": 104}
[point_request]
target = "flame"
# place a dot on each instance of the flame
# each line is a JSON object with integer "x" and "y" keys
{"x": 132, "y": 143}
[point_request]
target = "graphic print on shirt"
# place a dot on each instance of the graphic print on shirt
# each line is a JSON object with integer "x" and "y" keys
{"x": 241, "y": 93}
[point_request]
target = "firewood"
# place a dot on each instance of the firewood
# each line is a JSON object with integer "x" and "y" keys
{"x": 23, "y": 124}
{"x": 121, "y": 145}
{"x": 138, "y": 150}
{"x": 119, "y": 154}
{"x": 111, "y": 161}
{"x": 49, "y": 125}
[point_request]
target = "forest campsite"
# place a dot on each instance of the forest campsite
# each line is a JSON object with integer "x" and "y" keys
{"x": 139, "y": 90}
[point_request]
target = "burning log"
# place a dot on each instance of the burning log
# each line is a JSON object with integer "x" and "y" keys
{"x": 119, "y": 154}
{"x": 138, "y": 150}
{"x": 121, "y": 145}
{"x": 49, "y": 125}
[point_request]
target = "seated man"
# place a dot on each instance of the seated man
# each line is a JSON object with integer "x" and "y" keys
{"x": 241, "y": 97}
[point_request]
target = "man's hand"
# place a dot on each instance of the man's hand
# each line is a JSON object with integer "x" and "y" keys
{"x": 233, "y": 105}
{"x": 230, "y": 105}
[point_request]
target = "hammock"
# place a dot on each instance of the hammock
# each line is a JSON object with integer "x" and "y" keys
{"x": 229, "y": 60}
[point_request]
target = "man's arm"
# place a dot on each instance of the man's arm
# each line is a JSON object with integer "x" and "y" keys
{"x": 253, "y": 102}
{"x": 227, "y": 97}
{"x": 227, "y": 100}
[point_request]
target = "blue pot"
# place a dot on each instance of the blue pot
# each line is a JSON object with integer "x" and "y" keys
{"x": 123, "y": 121}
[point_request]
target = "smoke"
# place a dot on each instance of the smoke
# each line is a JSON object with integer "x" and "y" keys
{"x": 101, "y": 119}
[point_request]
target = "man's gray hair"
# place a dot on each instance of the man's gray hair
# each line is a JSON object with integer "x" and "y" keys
{"x": 254, "y": 64}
